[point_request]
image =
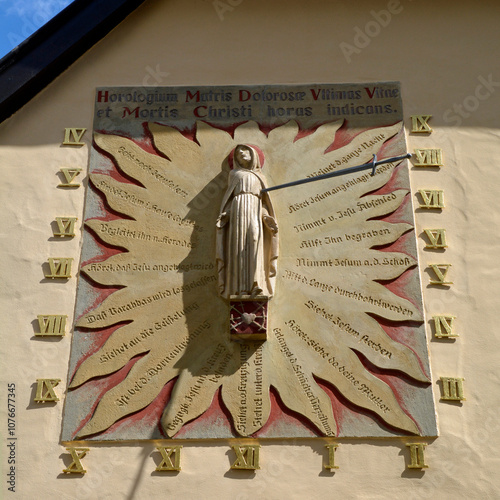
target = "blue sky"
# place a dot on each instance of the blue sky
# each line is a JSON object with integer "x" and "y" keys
{"x": 21, "y": 18}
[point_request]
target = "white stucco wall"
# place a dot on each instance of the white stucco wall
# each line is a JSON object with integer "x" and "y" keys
{"x": 445, "y": 55}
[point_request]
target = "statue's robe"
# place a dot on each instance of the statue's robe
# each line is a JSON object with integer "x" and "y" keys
{"x": 246, "y": 249}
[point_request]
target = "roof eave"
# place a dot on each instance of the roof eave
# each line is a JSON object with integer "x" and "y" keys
{"x": 37, "y": 61}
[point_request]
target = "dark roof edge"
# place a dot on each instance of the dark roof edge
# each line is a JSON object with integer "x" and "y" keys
{"x": 37, "y": 61}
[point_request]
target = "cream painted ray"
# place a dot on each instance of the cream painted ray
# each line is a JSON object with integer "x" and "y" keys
{"x": 317, "y": 198}
{"x": 135, "y": 236}
{"x": 125, "y": 304}
{"x": 378, "y": 233}
{"x": 127, "y": 270}
{"x": 135, "y": 338}
{"x": 197, "y": 162}
{"x": 345, "y": 371}
{"x": 151, "y": 170}
{"x": 403, "y": 359}
{"x": 109, "y": 409}
{"x": 330, "y": 323}
{"x": 249, "y": 131}
{"x": 315, "y": 144}
{"x": 350, "y": 296}
{"x": 195, "y": 388}
{"x": 112, "y": 356}
{"x": 356, "y": 265}
{"x": 280, "y": 139}
{"x": 360, "y": 332}
{"x": 250, "y": 407}
{"x": 293, "y": 380}
{"x": 358, "y": 151}
{"x": 350, "y": 217}
{"x": 124, "y": 198}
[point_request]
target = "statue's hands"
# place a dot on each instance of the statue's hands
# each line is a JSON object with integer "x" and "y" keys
{"x": 222, "y": 219}
{"x": 270, "y": 222}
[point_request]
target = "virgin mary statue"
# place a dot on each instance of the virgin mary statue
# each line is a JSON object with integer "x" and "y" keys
{"x": 247, "y": 232}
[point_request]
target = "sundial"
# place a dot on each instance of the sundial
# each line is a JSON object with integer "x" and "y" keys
{"x": 211, "y": 305}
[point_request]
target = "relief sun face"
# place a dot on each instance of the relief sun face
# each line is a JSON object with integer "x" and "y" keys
{"x": 345, "y": 353}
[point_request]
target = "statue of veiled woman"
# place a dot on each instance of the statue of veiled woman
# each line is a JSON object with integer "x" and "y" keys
{"x": 247, "y": 232}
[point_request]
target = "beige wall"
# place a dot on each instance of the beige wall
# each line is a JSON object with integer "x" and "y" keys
{"x": 442, "y": 52}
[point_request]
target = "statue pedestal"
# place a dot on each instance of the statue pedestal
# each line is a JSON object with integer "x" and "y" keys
{"x": 248, "y": 318}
